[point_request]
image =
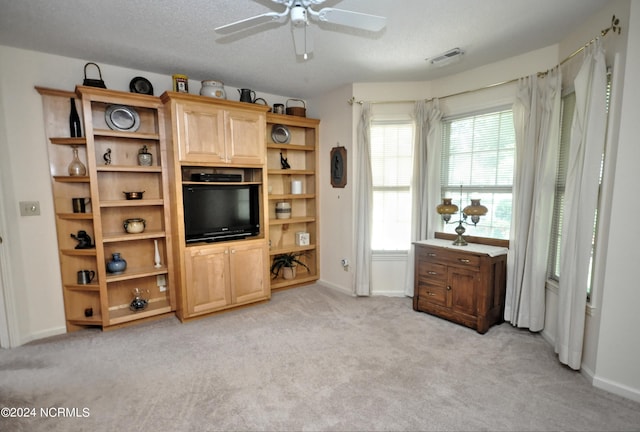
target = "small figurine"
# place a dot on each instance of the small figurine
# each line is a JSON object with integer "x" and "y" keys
{"x": 83, "y": 239}
{"x": 283, "y": 162}
{"x": 107, "y": 157}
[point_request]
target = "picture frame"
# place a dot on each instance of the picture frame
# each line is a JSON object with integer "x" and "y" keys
{"x": 338, "y": 166}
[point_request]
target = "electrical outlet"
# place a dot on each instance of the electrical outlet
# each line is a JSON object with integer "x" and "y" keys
{"x": 29, "y": 208}
{"x": 345, "y": 264}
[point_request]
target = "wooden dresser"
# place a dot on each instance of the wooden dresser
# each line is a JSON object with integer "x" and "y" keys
{"x": 463, "y": 284}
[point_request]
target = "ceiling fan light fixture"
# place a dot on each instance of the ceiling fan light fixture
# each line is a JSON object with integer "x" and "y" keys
{"x": 299, "y": 16}
{"x": 300, "y": 13}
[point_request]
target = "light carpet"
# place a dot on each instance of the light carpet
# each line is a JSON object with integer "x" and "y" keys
{"x": 310, "y": 359}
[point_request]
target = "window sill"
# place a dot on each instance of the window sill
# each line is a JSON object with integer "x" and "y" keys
{"x": 389, "y": 255}
{"x": 554, "y": 287}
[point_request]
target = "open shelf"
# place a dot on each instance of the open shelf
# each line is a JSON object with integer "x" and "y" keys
{"x": 78, "y": 141}
{"x": 136, "y": 273}
{"x": 122, "y": 314}
{"x": 113, "y": 167}
{"x": 301, "y": 153}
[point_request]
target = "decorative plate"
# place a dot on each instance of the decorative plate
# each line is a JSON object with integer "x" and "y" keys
{"x": 141, "y": 85}
{"x": 280, "y": 134}
{"x": 122, "y": 118}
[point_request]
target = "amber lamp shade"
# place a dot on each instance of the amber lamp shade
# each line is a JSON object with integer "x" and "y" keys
{"x": 446, "y": 207}
{"x": 475, "y": 210}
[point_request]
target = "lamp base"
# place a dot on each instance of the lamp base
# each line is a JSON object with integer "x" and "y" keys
{"x": 460, "y": 241}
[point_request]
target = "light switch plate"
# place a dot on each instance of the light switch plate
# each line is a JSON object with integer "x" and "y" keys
{"x": 29, "y": 208}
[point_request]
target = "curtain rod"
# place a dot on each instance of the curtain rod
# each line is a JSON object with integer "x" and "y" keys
{"x": 614, "y": 26}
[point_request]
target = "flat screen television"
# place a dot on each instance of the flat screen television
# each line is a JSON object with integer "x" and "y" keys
{"x": 215, "y": 212}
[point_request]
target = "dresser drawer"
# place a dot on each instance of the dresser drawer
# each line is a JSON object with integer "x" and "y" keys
{"x": 432, "y": 271}
{"x": 432, "y": 293}
{"x": 447, "y": 256}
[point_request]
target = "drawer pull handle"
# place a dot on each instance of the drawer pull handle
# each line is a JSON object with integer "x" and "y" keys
{"x": 448, "y": 287}
{"x": 431, "y": 254}
{"x": 430, "y": 294}
{"x": 432, "y": 273}
{"x": 464, "y": 261}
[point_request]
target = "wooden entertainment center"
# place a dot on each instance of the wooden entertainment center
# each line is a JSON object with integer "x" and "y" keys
{"x": 184, "y": 134}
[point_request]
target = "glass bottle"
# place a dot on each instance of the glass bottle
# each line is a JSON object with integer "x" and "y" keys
{"x": 75, "y": 129}
{"x": 76, "y": 167}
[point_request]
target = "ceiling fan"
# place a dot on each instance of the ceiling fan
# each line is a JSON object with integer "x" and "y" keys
{"x": 300, "y": 13}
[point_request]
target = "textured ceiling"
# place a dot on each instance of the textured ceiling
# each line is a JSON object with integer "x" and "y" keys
{"x": 168, "y": 36}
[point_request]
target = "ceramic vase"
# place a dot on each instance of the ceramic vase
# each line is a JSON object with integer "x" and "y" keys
{"x": 116, "y": 265}
{"x": 76, "y": 167}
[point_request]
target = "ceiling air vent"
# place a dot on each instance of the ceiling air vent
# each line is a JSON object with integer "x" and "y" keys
{"x": 446, "y": 58}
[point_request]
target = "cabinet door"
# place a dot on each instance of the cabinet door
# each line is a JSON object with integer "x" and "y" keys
{"x": 463, "y": 283}
{"x": 245, "y": 137}
{"x": 201, "y": 133}
{"x": 248, "y": 264}
{"x": 207, "y": 273}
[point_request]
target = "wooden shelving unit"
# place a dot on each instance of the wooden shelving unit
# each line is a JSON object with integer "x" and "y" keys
{"x": 301, "y": 153}
{"x": 108, "y": 296}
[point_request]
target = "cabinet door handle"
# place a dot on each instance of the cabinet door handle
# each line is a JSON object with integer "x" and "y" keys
{"x": 464, "y": 261}
{"x": 430, "y": 294}
{"x": 432, "y": 273}
{"x": 431, "y": 254}
{"x": 448, "y": 287}
{"x": 233, "y": 251}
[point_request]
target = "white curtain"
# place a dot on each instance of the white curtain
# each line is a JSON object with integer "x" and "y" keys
{"x": 581, "y": 196}
{"x": 425, "y": 182}
{"x": 536, "y": 116}
{"x": 363, "y": 205}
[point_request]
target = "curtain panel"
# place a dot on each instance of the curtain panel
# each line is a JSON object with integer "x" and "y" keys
{"x": 536, "y": 114}
{"x": 363, "y": 205}
{"x": 588, "y": 134}
{"x": 425, "y": 183}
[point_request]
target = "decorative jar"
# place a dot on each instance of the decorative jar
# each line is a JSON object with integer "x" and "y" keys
{"x": 138, "y": 302}
{"x": 213, "y": 89}
{"x": 283, "y": 210}
{"x": 144, "y": 157}
{"x": 116, "y": 265}
{"x": 134, "y": 225}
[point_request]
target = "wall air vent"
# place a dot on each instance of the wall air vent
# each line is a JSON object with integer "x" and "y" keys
{"x": 451, "y": 56}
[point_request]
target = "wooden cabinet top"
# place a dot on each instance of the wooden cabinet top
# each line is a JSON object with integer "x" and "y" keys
{"x": 473, "y": 248}
{"x": 187, "y": 97}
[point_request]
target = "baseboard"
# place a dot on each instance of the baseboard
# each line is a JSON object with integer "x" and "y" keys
{"x": 617, "y": 388}
{"x": 389, "y": 293}
{"x": 55, "y": 331}
{"x": 601, "y": 383}
{"x": 548, "y": 338}
{"x": 335, "y": 287}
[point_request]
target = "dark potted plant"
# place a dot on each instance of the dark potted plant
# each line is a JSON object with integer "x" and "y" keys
{"x": 287, "y": 264}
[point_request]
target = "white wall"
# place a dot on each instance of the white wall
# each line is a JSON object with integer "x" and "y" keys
{"x": 34, "y": 293}
{"x": 619, "y": 345}
{"x": 336, "y": 210}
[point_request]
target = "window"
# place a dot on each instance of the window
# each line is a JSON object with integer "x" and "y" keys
{"x": 568, "y": 107}
{"x": 478, "y": 156}
{"x": 391, "y": 166}
{"x": 553, "y": 267}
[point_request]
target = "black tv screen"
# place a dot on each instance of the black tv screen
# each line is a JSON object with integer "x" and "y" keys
{"x": 214, "y": 212}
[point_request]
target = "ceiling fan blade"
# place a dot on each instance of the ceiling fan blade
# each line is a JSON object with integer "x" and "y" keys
{"x": 350, "y": 19}
{"x": 302, "y": 40}
{"x": 252, "y": 22}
